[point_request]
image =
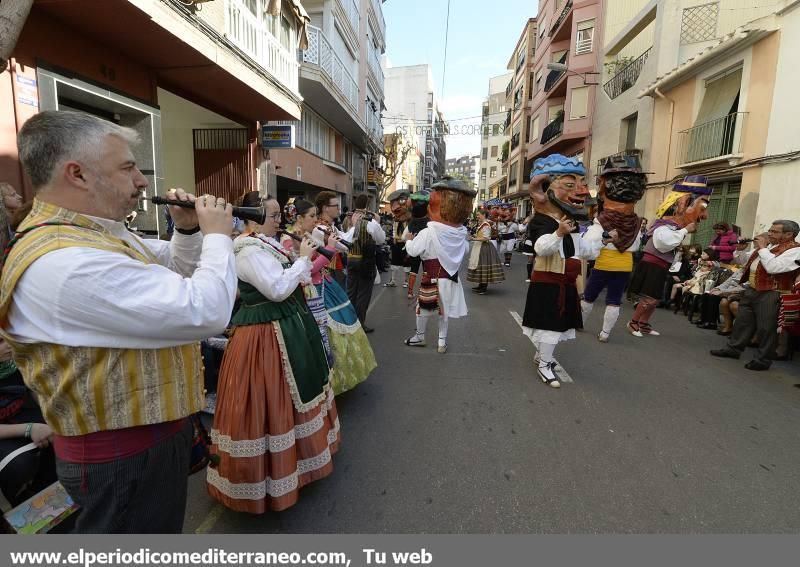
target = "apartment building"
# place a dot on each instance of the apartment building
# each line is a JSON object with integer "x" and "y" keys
{"x": 465, "y": 167}
{"x": 667, "y": 48}
{"x": 564, "y": 78}
{"x": 340, "y": 136}
{"x": 410, "y": 95}
{"x": 194, "y": 80}
{"x": 493, "y": 139}
{"x": 519, "y": 91}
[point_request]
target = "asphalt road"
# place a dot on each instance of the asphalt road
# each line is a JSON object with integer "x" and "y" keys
{"x": 652, "y": 436}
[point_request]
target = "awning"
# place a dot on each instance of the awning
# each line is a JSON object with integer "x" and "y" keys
{"x": 274, "y": 9}
{"x": 719, "y": 97}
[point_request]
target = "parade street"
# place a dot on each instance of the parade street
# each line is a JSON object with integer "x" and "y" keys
{"x": 651, "y": 435}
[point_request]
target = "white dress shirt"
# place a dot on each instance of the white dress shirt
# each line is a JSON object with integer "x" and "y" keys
{"x": 263, "y": 270}
{"x": 595, "y": 233}
{"x": 550, "y": 244}
{"x": 666, "y": 238}
{"x": 95, "y": 298}
{"x": 776, "y": 264}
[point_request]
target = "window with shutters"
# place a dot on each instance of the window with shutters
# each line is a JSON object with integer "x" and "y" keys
{"x": 585, "y": 38}
{"x": 722, "y": 207}
{"x": 535, "y": 128}
{"x": 493, "y": 171}
{"x": 580, "y": 103}
{"x": 494, "y": 151}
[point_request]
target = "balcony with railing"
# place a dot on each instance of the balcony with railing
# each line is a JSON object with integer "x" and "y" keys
{"x": 374, "y": 65}
{"x": 509, "y": 87}
{"x": 377, "y": 9}
{"x": 627, "y": 77}
{"x": 515, "y": 141}
{"x": 554, "y": 79}
{"x": 554, "y": 129}
{"x": 562, "y": 27}
{"x": 507, "y": 121}
{"x": 250, "y": 34}
{"x": 717, "y": 139}
{"x": 350, "y": 7}
{"x": 321, "y": 54}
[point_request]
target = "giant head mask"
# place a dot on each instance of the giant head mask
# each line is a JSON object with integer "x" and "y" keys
{"x": 419, "y": 203}
{"x": 687, "y": 202}
{"x": 399, "y": 205}
{"x": 622, "y": 184}
{"x": 451, "y": 201}
{"x": 558, "y": 187}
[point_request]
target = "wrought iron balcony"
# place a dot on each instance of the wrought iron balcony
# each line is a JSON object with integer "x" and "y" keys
{"x": 554, "y": 76}
{"x": 554, "y": 129}
{"x": 507, "y": 121}
{"x": 712, "y": 139}
{"x": 627, "y": 77}
{"x": 515, "y": 141}
{"x": 561, "y": 16}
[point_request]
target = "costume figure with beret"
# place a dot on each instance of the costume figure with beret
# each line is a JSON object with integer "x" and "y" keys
{"x": 678, "y": 215}
{"x": 441, "y": 246}
{"x": 622, "y": 185}
{"x": 552, "y": 310}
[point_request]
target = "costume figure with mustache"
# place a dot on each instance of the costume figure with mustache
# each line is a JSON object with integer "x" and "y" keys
{"x": 552, "y": 310}
{"x": 399, "y": 203}
{"x": 622, "y": 184}
{"x": 680, "y": 213}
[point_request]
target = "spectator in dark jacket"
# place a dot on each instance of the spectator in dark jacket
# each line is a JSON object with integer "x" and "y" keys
{"x": 724, "y": 243}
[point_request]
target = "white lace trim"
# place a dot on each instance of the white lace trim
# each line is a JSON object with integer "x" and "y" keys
{"x": 274, "y": 488}
{"x": 289, "y": 374}
{"x": 341, "y": 328}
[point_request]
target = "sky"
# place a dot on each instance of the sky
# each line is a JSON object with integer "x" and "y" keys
{"x": 479, "y": 47}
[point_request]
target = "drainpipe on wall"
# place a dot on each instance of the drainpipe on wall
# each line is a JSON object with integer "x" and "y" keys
{"x": 669, "y": 131}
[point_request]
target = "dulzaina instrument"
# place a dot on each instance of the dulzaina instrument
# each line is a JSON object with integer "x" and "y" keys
{"x": 254, "y": 214}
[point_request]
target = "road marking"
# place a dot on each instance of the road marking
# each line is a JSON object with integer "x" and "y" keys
{"x": 210, "y": 520}
{"x": 563, "y": 376}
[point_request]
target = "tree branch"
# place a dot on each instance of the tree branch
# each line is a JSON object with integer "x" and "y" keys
{"x": 13, "y": 14}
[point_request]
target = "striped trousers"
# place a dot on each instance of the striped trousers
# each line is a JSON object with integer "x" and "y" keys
{"x": 144, "y": 493}
{"x": 758, "y": 314}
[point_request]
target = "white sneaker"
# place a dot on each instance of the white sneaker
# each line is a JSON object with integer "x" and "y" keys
{"x": 646, "y": 329}
{"x": 602, "y": 337}
{"x": 442, "y": 349}
{"x": 633, "y": 330}
{"x": 414, "y": 341}
{"x": 527, "y": 281}
{"x": 547, "y": 374}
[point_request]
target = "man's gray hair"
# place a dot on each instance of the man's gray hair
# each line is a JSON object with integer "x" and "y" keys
{"x": 52, "y": 137}
{"x": 789, "y": 226}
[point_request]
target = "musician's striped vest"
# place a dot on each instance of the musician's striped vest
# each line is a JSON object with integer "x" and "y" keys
{"x": 87, "y": 389}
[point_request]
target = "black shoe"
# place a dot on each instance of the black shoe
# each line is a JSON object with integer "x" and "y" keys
{"x": 367, "y": 329}
{"x": 724, "y": 333}
{"x": 726, "y": 353}
{"x": 757, "y": 365}
{"x": 707, "y": 326}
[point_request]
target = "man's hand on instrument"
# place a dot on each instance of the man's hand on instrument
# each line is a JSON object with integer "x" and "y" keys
{"x": 185, "y": 219}
{"x": 565, "y": 227}
{"x": 214, "y": 215}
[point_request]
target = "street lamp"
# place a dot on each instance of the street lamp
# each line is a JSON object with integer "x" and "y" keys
{"x": 563, "y": 68}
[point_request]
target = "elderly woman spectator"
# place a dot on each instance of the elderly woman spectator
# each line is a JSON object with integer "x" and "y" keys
{"x": 724, "y": 243}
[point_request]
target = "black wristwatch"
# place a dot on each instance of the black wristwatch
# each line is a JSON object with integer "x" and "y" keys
{"x": 188, "y": 231}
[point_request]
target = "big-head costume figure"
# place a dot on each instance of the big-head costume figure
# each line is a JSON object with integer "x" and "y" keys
{"x": 399, "y": 204}
{"x": 419, "y": 220}
{"x": 678, "y": 215}
{"x": 622, "y": 185}
{"x": 552, "y": 309}
{"x": 441, "y": 246}
{"x": 507, "y": 229}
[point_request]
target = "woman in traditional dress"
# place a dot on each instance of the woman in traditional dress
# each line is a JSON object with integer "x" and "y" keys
{"x": 276, "y": 425}
{"x": 352, "y": 353}
{"x": 484, "y": 262}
